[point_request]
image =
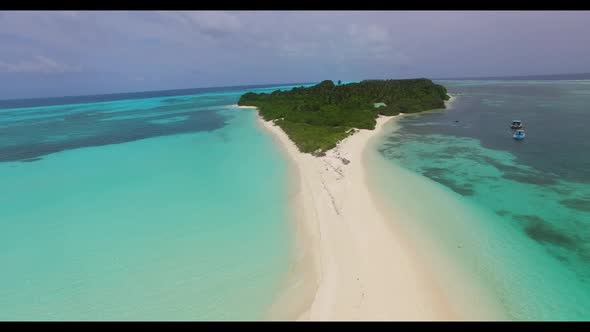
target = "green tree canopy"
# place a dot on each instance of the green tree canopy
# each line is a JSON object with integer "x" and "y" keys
{"x": 316, "y": 118}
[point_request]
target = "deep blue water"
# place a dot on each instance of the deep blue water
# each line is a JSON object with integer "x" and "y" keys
{"x": 49, "y": 101}
{"x": 33, "y": 128}
{"x": 532, "y": 197}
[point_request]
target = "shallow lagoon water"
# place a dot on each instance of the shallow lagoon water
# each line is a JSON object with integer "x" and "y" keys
{"x": 141, "y": 209}
{"x": 516, "y": 213}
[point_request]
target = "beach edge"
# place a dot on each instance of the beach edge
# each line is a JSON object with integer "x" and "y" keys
{"x": 325, "y": 222}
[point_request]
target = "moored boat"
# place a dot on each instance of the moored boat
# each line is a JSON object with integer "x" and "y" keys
{"x": 516, "y": 124}
{"x": 519, "y": 134}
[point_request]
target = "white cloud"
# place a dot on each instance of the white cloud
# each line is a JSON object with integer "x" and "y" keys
{"x": 298, "y": 48}
{"x": 39, "y": 64}
{"x": 368, "y": 34}
{"x": 368, "y": 43}
{"x": 374, "y": 42}
{"x": 377, "y": 34}
{"x": 69, "y": 13}
{"x": 213, "y": 23}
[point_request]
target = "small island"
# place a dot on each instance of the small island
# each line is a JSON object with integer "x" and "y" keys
{"x": 325, "y": 130}
{"x": 316, "y": 118}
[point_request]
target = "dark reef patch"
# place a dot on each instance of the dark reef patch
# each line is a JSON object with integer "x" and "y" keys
{"x": 436, "y": 174}
{"x": 31, "y": 145}
{"x": 520, "y": 174}
{"x": 390, "y": 146}
{"x": 503, "y": 212}
{"x": 563, "y": 259}
{"x": 561, "y": 191}
{"x": 577, "y": 204}
{"x": 444, "y": 156}
{"x": 530, "y": 177}
{"x": 458, "y": 150}
{"x": 390, "y": 153}
{"x": 464, "y": 191}
{"x": 434, "y": 171}
{"x": 30, "y": 160}
{"x": 541, "y": 231}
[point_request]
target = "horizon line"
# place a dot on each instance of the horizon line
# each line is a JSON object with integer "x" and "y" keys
{"x": 290, "y": 83}
{"x": 148, "y": 91}
{"x": 511, "y": 76}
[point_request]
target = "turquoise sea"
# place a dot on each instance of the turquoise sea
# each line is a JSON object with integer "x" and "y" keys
{"x": 167, "y": 205}
{"x": 514, "y": 214}
{"x": 172, "y": 205}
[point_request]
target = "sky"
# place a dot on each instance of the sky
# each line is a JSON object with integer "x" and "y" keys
{"x": 64, "y": 53}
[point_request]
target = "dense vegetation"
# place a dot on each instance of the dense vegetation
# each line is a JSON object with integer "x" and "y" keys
{"x": 318, "y": 117}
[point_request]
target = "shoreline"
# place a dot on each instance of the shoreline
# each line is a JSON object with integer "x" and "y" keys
{"x": 466, "y": 292}
{"x": 356, "y": 267}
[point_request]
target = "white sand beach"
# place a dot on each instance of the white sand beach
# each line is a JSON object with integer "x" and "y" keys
{"x": 362, "y": 268}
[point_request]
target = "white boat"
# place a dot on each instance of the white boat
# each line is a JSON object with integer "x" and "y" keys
{"x": 519, "y": 134}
